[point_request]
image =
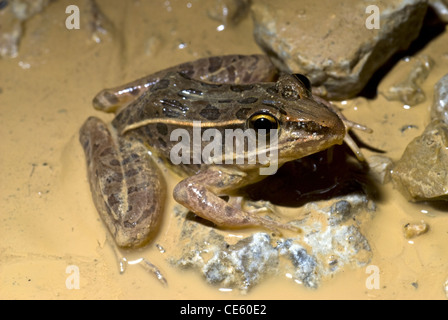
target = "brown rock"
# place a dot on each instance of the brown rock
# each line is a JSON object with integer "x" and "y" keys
{"x": 422, "y": 172}
{"x": 412, "y": 230}
{"x": 329, "y": 40}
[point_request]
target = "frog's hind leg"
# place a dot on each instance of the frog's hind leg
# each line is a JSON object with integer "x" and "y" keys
{"x": 144, "y": 263}
{"x": 127, "y": 187}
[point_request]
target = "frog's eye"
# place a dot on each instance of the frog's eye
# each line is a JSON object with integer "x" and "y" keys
{"x": 305, "y": 81}
{"x": 263, "y": 121}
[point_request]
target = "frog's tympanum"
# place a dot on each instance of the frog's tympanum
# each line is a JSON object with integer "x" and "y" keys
{"x": 228, "y": 92}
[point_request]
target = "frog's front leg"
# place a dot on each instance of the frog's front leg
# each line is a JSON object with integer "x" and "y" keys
{"x": 200, "y": 194}
{"x": 127, "y": 188}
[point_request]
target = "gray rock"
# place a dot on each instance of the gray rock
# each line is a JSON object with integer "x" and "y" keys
{"x": 330, "y": 242}
{"x": 12, "y": 23}
{"x": 422, "y": 172}
{"x": 329, "y": 42}
{"x": 439, "y": 108}
{"x": 304, "y": 264}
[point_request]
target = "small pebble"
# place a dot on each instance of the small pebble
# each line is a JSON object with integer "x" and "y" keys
{"x": 412, "y": 230}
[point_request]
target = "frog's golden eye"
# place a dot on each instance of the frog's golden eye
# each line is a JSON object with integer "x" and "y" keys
{"x": 264, "y": 121}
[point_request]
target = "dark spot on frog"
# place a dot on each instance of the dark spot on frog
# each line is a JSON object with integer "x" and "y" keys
{"x": 272, "y": 90}
{"x": 146, "y": 213}
{"x": 162, "y": 84}
{"x": 162, "y": 143}
{"x": 162, "y": 129}
{"x": 211, "y": 85}
{"x": 130, "y": 158}
{"x": 132, "y": 189}
{"x": 229, "y": 211}
{"x": 242, "y": 113}
{"x": 131, "y": 173}
{"x": 215, "y": 64}
{"x": 114, "y": 163}
{"x": 241, "y": 87}
{"x": 129, "y": 225}
{"x": 112, "y": 200}
{"x": 210, "y": 112}
{"x": 248, "y": 100}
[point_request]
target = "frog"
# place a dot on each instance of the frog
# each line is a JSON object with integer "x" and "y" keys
{"x": 221, "y": 92}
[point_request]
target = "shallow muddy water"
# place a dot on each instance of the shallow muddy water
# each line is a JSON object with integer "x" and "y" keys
{"x": 49, "y": 222}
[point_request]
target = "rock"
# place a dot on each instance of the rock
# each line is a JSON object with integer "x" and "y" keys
{"x": 439, "y": 108}
{"x": 10, "y": 33}
{"x": 408, "y": 90}
{"x": 229, "y": 12}
{"x": 329, "y": 242}
{"x": 329, "y": 42}
{"x": 13, "y": 16}
{"x": 101, "y": 29}
{"x": 440, "y": 7}
{"x": 380, "y": 167}
{"x": 304, "y": 265}
{"x": 412, "y": 230}
{"x": 422, "y": 172}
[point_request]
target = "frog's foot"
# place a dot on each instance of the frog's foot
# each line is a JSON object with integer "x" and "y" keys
{"x": 127, "y": 188}
{"x": 253, "y": 207}
{"x": 199, "y": 194}
{"x": 123, "y": 263}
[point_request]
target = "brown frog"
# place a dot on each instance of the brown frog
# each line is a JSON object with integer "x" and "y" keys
{"x": 226, "y": 92}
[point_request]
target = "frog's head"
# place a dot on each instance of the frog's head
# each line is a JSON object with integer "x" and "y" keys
{"x": 305, "y": 126}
